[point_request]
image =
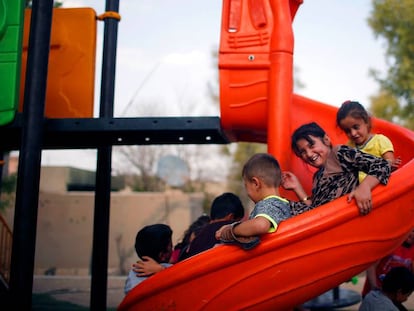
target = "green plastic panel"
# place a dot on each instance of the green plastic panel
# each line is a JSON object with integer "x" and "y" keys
{"x": 11, "y": 30}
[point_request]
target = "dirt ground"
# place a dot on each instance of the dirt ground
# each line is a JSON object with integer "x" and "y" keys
{"x": 76, "y": 291}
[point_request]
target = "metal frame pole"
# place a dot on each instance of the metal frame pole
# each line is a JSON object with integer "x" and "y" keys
{"x": 28, "y": 178}
{"x": 104, "y": 166}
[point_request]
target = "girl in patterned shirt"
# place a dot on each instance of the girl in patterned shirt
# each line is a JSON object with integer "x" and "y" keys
{"x": 337, "y": 174}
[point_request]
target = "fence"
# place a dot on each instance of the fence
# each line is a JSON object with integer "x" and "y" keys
{"x": 5, "y": 250}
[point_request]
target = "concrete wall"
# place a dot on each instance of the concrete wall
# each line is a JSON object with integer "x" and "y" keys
{"x": 65, "y": 224}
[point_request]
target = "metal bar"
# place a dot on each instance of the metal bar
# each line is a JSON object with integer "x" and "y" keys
{"x": 27, "y": 192}
{"x": 95, "y": 132}
{"x": 104, "y": 165}
{"x": 2, "y": 171}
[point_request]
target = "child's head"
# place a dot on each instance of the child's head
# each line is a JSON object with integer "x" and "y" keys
{"x": 311, "y": 144}
{"x": 154, "y": 241}
{"x": 227, "y": 205}
{"x": 354, "y": 120}
{"x": 261, "y": 170}
{"x": 398, "y": 284}
{"x": 195, "y": 228}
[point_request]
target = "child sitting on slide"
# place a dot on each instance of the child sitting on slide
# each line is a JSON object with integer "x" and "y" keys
{"x": 337, "y": 174}
{"x": 354, "y": 120}
{"x": 154, "y": 243}
{"x": 262, "y": 177}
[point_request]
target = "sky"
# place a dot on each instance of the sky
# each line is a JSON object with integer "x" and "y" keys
{"x": 164, "y": 58}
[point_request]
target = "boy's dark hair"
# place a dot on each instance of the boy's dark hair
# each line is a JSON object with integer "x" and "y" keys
{"x": 196, "y": 227}
{"x": 199, "y": 224}
{"x": 153, "y": 240}
{"x": 265, "y": 167}
{"x": 304, "y": 132}
{"x": 398, "y": 278}
{"x": 353, "y": 109}
{"x": 225, "y": 204}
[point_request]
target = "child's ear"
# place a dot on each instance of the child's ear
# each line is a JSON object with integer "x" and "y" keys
{"x": 256, "y": 182}
{"x": 229, "y": 216}
{"x": 399, "y": 296}
{"x": 327, "y": 140}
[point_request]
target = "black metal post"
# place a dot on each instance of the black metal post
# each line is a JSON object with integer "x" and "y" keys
{"x": 2, "y": 163}
{"x": 104, "y": 166}
{"x": 27, "y": 192}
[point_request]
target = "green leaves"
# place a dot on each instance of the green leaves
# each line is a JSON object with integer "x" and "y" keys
{"x": 393, "y": 22}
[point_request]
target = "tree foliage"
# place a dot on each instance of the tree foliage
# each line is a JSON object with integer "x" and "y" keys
{"x": 393, "y": 21}
{"x": 56, "y": 3}
{"x": 141, "y": 161}
{"x": 8, "y": 189}
{"x": 240, "y": 156}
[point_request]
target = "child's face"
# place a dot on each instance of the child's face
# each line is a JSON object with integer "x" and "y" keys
{"x": 315, "y": 153}
{"x": 357, "y": 130}
{"x": 401, "y": 297}
{"x": 166, "y": 255}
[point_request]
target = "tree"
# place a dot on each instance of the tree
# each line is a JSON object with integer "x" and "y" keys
{"x": 385, "y": 106}
{"x": 393, "y": 21}
{"x": 8, "y": 191}
{"x": 141, "y": 161}
{"x": 56, "y": 3}
{"x": 138, "y": 163}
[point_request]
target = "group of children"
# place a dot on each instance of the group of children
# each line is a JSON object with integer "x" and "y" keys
{"x": 353, "y": 170}
{"x": 337, "y": 174}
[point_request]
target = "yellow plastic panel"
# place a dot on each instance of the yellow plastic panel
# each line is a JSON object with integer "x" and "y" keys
{"x": 71, "y": 72}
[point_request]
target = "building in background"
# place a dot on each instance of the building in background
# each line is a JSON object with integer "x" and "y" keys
{"x": 66, "y": 212}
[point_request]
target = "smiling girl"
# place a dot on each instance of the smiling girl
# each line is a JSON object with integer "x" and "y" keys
{"x": 337, "y": 173}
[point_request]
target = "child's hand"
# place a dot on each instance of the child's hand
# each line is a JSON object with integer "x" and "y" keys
{"x": 396, "y": 163}
{"x": 224, "y": 233}
{"x": 289, "y": 181}
{"x": 362, "y": 196}
{"x": 146, "y": 267}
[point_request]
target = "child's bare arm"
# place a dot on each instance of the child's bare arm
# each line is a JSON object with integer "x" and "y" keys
{"x": 362, "y": 194}
{"x": 248, "y": 228}
{"x": 394, "y": 161}
{"x": 146, "y": 267}
{"x": 291, "y": 182}
{"x": 252, "y": 227}
{"x": 371, "y": 276}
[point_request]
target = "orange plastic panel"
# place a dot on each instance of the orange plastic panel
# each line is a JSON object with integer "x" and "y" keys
{"x": 256, "y": 71}
{"x": 71, "y": 72}
{"x": 244, "y": 63}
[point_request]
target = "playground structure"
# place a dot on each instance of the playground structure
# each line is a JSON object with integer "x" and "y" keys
{"x": 308, "y": 255}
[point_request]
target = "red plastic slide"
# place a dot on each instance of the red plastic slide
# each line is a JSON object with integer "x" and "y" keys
{"x": 308, "y": 255}
{"x": 313, "y": 252}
